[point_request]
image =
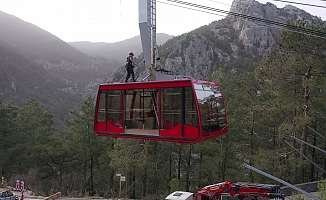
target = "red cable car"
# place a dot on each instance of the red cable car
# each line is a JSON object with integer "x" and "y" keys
{"x": 185, "y": 111}
{"x": 162, "y": 106}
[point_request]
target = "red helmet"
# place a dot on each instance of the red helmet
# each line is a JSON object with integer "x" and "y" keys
{"x": 131, "y": 53}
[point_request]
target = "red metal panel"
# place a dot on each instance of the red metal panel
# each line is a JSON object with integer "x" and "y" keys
{"x": 142, "y": 85}
{"x": 172, "y": 132}
{"x": 115, "y": 129}
{"x": 100, "y": 127}
{"x": 191, "y": 132}
{"x": 216, "y": 134}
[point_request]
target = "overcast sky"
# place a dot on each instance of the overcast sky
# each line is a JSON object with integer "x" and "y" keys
{"x": 117, "y": 20}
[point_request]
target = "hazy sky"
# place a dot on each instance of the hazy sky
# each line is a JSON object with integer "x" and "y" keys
{"x": 116, "y": 20}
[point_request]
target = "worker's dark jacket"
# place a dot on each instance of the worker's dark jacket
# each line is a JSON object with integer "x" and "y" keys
{"x": 130, "y": 65}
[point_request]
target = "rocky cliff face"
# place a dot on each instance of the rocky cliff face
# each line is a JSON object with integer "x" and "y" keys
{"x": 261, "y": 35}
{"x": 235, "y": 41}
{"x": 252, "y": 34}
{"x": 194, "y": 55}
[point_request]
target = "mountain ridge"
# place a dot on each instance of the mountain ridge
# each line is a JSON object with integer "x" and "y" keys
{"x": 37, "y": 64}
{"x": 234, "y": 42}
{"x": 116, "y": 50}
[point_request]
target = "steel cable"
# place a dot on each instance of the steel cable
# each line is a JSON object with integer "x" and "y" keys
{"x": 312, "y": 32}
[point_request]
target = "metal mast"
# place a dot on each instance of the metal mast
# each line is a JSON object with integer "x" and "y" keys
{"x": 147, "y": 27}
{"x": 155, "y": 54}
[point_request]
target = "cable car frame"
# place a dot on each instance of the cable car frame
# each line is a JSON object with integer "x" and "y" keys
{"x": 185, "y": 111}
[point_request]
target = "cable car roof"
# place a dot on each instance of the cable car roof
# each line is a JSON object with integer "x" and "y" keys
{"x": 158, "y": 83}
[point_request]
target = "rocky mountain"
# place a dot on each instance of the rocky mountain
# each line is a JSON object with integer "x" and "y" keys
{"x": 22, "y": 79}
{"x": 36, "y": 64}
{"x": 118, "y": 50}
{"x": 237, "y": 42}
{"x": 55, "y": 55}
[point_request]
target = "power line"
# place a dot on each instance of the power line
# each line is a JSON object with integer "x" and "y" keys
{"x": 231, "y": 6}
{"x": 220, "y": 2}
{"x": 249, "y": 17}
{"x": 191, "y": 9}
{"x": 287, "y": 26}
{"x": 305, "y": 4}
{"x": 267, "y": 22}
{"x": 211, "y": 13}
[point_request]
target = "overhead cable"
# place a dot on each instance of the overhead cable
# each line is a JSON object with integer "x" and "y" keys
{"x": 231, "y": 6}
{"x": 191, "y": 9}
{"x": 287, "y": 26}
{"x": 262, "y": 24}
{"x": 305, "y": 4}
{"x": 219, "y": 2}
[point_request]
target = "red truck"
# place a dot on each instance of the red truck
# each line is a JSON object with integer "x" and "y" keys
{"x": 227, "y": 189}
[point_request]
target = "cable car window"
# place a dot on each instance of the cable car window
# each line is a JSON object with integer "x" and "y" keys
{"x": 110, "y": 103}
{"x": 212, "y": 111}
{"x": 171, "y": 107}
{"x": 190, "y": 108}
{"x": 101, "y": 109}
{"x": 141, "y": 109}
{"x": 198, "y": 87}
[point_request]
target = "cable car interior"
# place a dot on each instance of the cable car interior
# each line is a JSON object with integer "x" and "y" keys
{"x": 160, "y": 106}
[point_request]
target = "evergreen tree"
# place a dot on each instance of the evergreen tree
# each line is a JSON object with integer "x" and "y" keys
{"x": 294, "y": 72}
{"x": 87, "y": 146}
{"x": 8, "y": 117}
{"x": 35, "y": 128}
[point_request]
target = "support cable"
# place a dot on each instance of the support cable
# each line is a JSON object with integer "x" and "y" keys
{"x": 309, "y": 144}
{"x": 305, "y": 4}
{"x": 316, "y": 132}
{"x": 288, "y": 26}
{"x": 305, "y": 157}
{"x": 191, "y": 9}
{"x": 281, "y": 181}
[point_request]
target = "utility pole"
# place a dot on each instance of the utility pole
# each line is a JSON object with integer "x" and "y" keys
{"x": 121, "y": 178}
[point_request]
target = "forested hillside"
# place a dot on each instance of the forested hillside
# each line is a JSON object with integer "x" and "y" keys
{"x": 36, "y": 64}
{"x": 273, "y": 82}
{"x": 280, "y": 100}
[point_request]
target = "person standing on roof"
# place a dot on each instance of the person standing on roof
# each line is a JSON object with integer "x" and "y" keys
{"x": 130, "y": 67}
